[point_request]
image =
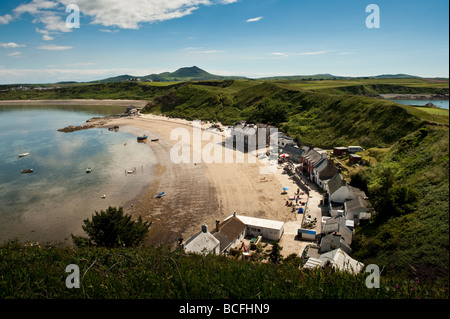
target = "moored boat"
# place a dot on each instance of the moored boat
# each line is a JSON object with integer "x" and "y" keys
{"x": 28, "y": 170}
{"x": 24, "y": 154}
{"x": 160, "y": 195}
{"x": 89, "y": 169}
{"x": 142, "y": 138}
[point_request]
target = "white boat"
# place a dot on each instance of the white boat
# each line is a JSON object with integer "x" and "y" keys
{"x": 22, "y": 154}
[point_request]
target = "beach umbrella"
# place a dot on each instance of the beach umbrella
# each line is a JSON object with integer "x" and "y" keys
{"x": 284, "y": 155}
{"x": 300, "y": 211}
{"x": 285, "y": 188}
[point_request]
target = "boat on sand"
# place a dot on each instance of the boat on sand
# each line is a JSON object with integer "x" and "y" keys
{"x": 142, "y": 138}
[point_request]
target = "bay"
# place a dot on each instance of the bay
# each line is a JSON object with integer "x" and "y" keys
{"x": 51, "y": 203}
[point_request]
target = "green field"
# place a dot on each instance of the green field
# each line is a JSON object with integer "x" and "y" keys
{"x": 433, "y": 110}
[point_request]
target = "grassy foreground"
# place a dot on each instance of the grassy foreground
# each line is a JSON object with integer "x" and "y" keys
{"x": 160, "y": 273}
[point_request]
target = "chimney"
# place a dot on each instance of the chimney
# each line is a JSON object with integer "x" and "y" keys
{"x": 217, "y": 225}
{"x": 204, "y": 228}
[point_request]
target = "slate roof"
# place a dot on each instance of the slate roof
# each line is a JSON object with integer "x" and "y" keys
{"x": 337, "y": 225}
{"x": 356, "y": 204}
{"x": 229, "y": 230}
{"x": 292, "y": 150}
{"x": 328, "y": 171}
{"x": 333, "y": 241}
{"x": 201, "y": 242}
{"x": 314, "y": 156}
{"x": 335, "y": 183}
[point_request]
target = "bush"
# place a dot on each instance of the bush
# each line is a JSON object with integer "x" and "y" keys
{"x": 111, "y": 228}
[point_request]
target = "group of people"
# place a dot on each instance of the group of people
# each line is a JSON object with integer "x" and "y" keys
{"x": 289, "y": 203}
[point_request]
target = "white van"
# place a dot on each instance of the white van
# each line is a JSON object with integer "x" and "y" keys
{"x": 354, "y": 149}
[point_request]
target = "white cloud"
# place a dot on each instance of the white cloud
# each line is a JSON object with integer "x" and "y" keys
{"x": 201, "y": 50}
{"x": 46, "y": 37}
{"x": 34, "y": 7}
{"x": 5, "y": 19}
{"x": 313, "y": 53}
{"x": 280, "y": 54}
{"x": 15, "y": 54}
{"x": 11, "y": 45}
{"x": 81, "y": 64}
{"x": 109, "y": 31}
{"x": 129, "y": 14}
{"x": 53, "y": 47}
{"x": 254, "y": 19}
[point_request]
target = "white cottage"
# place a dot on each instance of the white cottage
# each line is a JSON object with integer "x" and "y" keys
{"x": 203, "y": 243}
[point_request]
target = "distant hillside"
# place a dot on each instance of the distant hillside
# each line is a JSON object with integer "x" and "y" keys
{"x": 183, "y": 74}
{"x": 195, "y": 73}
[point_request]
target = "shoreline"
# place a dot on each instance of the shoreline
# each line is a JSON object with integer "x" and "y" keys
{"x": 418, "y": 97}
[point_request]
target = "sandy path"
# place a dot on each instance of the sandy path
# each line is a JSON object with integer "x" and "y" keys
{"x": 201, "y": 193}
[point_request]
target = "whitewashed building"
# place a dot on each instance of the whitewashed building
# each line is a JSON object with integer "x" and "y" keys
{"x": 202, "y": 243}
{"x": 337, "y": 259}
{"x": 268, "y": 229}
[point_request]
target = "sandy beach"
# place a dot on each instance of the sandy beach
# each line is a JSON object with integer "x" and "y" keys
{"x": 196, "y": 194}
{"x": 199, "y": 194}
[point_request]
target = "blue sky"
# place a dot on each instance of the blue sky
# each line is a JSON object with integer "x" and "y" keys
{"x": 254, "y": 38}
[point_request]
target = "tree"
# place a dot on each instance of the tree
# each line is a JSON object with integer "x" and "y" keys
{"x": 388, "y": 196}
{"x": 275, "y": 255}
{"x": 111, "y": 228}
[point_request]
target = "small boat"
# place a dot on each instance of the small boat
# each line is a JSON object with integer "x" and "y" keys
{"x": 131, "y": 171}
{"x": 24, "y": 154}
{"x": 103, "y": 196}
{"x": 154, "y": 139}
{"x": 29, "y": 170}
{"x": 160, "y": 195}
{"x": 141, "y": 138}
{"x": 88, "y": 170}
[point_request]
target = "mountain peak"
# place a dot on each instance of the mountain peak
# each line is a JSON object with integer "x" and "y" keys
{"x": 193, "y": 71}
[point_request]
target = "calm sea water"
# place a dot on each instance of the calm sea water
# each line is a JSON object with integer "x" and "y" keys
{"x": 443, "y": 104}
{"x": 51, "y": 203}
